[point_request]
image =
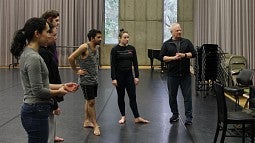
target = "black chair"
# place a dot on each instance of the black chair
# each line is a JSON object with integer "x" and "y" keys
{"x": 15, "y": 62}
{"x": 251, "y": 99}
{"x": 243, "y": 79}
{"x": 225, "y": 118}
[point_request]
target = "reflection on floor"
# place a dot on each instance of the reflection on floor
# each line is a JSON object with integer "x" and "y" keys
{"x": 152, "y": 101}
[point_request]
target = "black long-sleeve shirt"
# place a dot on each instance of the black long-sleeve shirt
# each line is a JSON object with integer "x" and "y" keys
{"x": 122, "y": 59}
{"x": 178, "y": 67}
{"x": 52, "y": 65}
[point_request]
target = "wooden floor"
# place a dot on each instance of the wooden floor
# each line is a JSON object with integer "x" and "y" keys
{"x": 152, "y": 98}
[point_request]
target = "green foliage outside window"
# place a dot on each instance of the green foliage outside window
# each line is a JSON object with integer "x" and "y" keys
{"x": 111, "y": 21}
{"x": 170, "y": 16}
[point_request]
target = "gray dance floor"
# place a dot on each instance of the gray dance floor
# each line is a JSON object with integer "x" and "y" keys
{"x": 153, "y": 105}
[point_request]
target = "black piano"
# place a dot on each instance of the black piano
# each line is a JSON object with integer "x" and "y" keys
{"x": 155, "y": 53}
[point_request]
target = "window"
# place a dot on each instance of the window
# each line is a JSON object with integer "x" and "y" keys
{"x": 170, "y": 16}
{"x": 111, "y": 21}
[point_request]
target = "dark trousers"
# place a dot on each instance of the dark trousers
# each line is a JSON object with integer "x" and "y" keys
{"x": 34, "y": 119}
{"x": 125, "y": 80}
{"x": 185, "y": 84}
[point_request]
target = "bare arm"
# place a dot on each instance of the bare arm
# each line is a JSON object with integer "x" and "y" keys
{"x": 58, "y": 92}
{"x": 169, "y": 58}
{"x": 78, "y": 52}
{"x": 68, "y": 87}
{"x": 178, "y": 56}
{"x": 184, "y": 55}
{"x": 55, "y": 86}
{"x": 189, "y": 55}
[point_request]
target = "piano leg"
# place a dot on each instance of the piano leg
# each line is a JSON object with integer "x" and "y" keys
{"x": 151, "y": 59}
{"x": 162, "y": 67}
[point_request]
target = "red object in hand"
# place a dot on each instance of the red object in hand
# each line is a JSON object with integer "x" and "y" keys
{"x": 71, "y": 87}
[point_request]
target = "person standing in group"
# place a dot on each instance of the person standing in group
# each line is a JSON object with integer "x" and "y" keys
{"x": 88, "y": 59}
{"x": 50, "y": 56}
{"x": 54, "y": 78}
{"x": 123, "y": 57}
{"x": 38, "y": 92}
{"x": 52, "y": 16}
{"x": 176, "y": 52}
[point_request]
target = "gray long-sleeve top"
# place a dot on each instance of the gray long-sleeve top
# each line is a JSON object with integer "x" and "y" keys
{"x": 34, "y": 77}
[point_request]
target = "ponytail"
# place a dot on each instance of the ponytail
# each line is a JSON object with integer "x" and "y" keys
{"x": 18, "y": 43}
{"x": 26, "y": 34}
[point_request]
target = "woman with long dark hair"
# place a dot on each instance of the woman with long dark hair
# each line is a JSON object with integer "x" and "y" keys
{"x": 38, "y": 92}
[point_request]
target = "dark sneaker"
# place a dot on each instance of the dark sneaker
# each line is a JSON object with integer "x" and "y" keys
{"x": 188, "y": 122}
{"x": 174, "y": 118}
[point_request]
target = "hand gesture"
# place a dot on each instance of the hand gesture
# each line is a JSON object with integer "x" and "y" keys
{"x": 180, "y": 55}
{"x": 62, "y": 91}
{"x": 82, "y": 72}
{"x": 56, "y": 112}
{"x": 71, "y": 86}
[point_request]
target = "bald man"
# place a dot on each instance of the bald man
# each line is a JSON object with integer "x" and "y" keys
{"x": 176, "y": 52}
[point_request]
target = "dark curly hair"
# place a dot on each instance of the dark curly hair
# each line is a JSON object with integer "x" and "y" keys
{"x": 92, "y": 33}
{"x": 50, "y": 14}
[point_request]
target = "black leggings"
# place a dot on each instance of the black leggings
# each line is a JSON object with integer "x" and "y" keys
{"x": 126, "y": 81}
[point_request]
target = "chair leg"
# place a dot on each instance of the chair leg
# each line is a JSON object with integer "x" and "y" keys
{"x": 243, "y": 137}
{"x": 216, "y": 133}
{"x": 224, "y": 130}
{"x": 252, "y": 132}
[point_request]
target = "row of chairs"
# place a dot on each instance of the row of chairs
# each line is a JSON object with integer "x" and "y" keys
{"x": 226, "y": 118}
{"x": 243, "y": 80}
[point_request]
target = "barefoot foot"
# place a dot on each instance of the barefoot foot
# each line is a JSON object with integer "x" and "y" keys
{"x": 58, "y": 139}
{"x": 88, "y": 124}
{"x": 97, "y": 131}
{"x": 122, "y": 120}
{"x": 141, "y": 120}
